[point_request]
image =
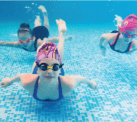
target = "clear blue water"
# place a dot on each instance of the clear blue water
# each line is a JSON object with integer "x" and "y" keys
{"x": 116, "y": 96}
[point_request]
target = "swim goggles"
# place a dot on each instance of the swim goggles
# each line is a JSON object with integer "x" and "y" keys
{"x": 44, "y": 66}
{"x": 24, "y": 31}
{"x": 125, "y": 34}
{"x": 26, "y": 41}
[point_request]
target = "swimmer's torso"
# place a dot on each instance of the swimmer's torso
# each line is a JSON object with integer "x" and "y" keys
{"x": 28, "y": 46}
{"x": 29, "y": 80}
{"x": 120, "y": 45}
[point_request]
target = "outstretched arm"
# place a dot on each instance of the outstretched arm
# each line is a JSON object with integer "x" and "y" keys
{"x": 102, "y": 44}
{"x": 56, "y": 39}
{"x": 8, "y": 81}
{"x": 10, "y": 44}
{"x": 53, "y": 40}
{"x": 27, "y": 80}
{"x": 80, "y": 79}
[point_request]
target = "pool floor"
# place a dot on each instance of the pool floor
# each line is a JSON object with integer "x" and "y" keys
{"x": 113, "y": 101}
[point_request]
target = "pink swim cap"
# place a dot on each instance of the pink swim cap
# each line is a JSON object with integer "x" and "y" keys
{"x": 129, "y": 23}
{"x": 48, "y": 50}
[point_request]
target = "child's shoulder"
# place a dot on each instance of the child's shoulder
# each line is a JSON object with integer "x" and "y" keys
{"x": 67, "y": 82}
{"x": 28, "y": 80}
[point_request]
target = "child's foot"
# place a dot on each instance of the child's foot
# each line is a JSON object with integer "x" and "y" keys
{"x": 42, "y": 8}
{"x": 119, "y": 20}
{"x": 37, "y": 21}
{"x": 61, "y": 25}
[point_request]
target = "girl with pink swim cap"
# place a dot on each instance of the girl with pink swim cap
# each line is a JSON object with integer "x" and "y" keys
{"x": 121, "y": 41}
{"x": 47, "y": 83}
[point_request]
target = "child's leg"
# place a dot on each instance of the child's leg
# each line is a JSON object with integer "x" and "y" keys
{"x": 62, "y": 29}
{"x": 37, "y": 21}
{"x": 45, "y": 15}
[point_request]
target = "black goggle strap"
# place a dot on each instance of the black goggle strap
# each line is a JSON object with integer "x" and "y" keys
{"x": 61, "y": 65}
{"x": 37, "y": 64}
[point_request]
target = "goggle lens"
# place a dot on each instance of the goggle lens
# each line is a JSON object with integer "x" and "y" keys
{"x": 44, "y": 67}
{"x": 129, "y": 36}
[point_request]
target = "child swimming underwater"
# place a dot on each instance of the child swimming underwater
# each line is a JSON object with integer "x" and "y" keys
{"x": 48, "y": 83}
{"x": 121, "y": 41}
{"x": 30, "y": 40}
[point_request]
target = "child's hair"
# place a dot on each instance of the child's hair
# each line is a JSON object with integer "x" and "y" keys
{"x": 24, "y": 25}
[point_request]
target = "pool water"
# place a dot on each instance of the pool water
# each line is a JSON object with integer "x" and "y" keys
{"x": 115, "y": 74}
{"x": 113, "y": 101}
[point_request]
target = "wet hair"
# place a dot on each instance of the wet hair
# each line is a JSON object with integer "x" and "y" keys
{"x": 24, "y": 25}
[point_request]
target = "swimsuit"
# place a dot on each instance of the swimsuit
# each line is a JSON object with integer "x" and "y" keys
{"x": 112, "y": 46}
{"x": 114, "y": 31}
{"x": 39, "y": 32}
{"x": 26, "y": 41}
{"x": 36, "y": 86}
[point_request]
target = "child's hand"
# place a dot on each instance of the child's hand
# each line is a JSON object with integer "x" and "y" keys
{"x": 103, "y": 51}
{"x": 5, "y": 82}
{"x": 93, "y": 85}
